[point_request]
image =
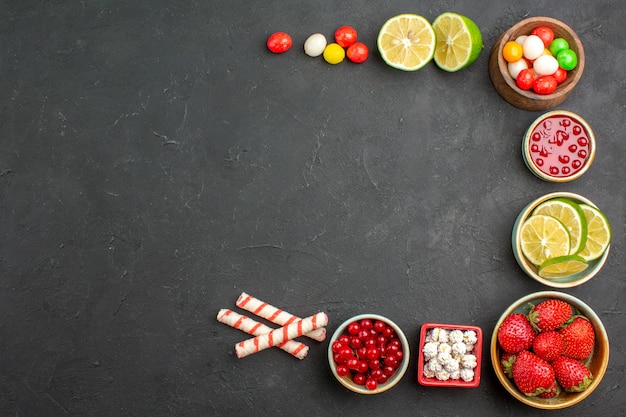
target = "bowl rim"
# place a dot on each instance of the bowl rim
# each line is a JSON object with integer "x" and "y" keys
{"x": 530, "y": 164}
{"x": 550, "y": 404}
{"x": 594, "y": 266}
{"x": 478, "y": 348}
{"x": 567, "y": 85}
{"x": 345, "y": 381}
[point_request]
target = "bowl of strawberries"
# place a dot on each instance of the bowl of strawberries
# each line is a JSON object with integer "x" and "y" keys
{"x": 549, "y": 350}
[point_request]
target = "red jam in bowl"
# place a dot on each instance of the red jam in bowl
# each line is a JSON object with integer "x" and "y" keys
{"x": 559, "y": 146}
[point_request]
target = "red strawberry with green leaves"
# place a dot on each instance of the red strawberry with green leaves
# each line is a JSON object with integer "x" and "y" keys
{"x": 579, "y": 338}
{"x": 506, "y": 361}
{"x": 531, "y": 374}
{"x": 549, "y": 345}
{"x": 571, "y": 374}
{"x": 515, "y": 333}
{"x": 554, "y": 390}
{"x": 549, "y": 314}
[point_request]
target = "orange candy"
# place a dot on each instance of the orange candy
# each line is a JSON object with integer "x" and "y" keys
{"x": 512, "y": 51}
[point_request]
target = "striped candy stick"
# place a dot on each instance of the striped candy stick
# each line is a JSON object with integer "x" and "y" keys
{"x": 250, "y": 326}
{"x": 275, "y": 315}
{"x": 278, "y": 336}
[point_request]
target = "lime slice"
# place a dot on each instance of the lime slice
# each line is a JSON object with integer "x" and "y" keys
{"x": 598, "y": 233}
{"x": 406, "y": 42}
{"x": 459, "y": 41}
{"x": 543, "y": 237}
{"x": 571, "y": 215}
{"x": 562, "y": 266}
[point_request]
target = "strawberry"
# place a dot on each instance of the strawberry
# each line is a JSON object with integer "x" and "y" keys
{"x": 554, "y": 390}
{"x": 531, "y": 374}
{"x": 571, "y": 374}
{"x": 549, "y": 345}
{"x": 549, "y": 314}
{"x": 515, "y": 333}
{"x": 506, "y": 361}
{"x": 579, "y": 338}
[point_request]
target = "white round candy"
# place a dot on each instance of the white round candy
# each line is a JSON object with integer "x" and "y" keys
{"x": 533, "y": 47}
{"x": 520, "y": 39}
{"x": 315, "y": 44}
{"x": 516, "y": 67}
{"x": 545, "y": 65}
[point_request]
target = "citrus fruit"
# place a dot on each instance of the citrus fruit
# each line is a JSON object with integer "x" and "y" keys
{"x": 459, "y": 41}
{"x": 543, "y": 237}
{"x": 406, "y": 42}
{"x": 598, "y": 233}
{"x": 334, "y": 54}
{"x": 562, "y": 266}
{"x": 571, "y": 215}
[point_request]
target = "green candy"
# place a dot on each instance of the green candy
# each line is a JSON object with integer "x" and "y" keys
{"x": 567, "y": 59}
{"x": 557, "y": 45}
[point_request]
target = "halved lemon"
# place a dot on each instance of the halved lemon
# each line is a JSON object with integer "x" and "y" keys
{"x": 562, "y": 267}
{"x": 406, "y": 42}
{"x": 598, "y": 233}
{"x": 571, "y": 215}
{"x": 543, "y": 237}
{"x": 459, "y": 41}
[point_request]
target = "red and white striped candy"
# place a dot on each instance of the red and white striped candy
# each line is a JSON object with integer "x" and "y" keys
{"x": 250, "y": 326}
{"x": 275, "y": 315}
{"x": 277, "y": 336}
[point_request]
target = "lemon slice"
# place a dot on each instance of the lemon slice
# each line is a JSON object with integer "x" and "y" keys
{"x": 459, "y": 41}
{"x": 406, "y": 42}
{"x": 543, "y": 237}
{"x": 598, "y": 233}
{"x": 571, "y": 215}
{"x": 562, "y": 267}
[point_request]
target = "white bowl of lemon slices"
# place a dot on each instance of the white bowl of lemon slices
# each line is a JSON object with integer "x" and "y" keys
{"x": 561, "y": 239}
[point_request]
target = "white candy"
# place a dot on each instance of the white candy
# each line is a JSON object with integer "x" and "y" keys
{"x": 430, "y": 350}
{"x": 533, "y": 47}
{"x": 469, "y": 362}
{"x": 545, "y": 65}
{"x": 520, "y": 39}
{"x": 429, "y": 373}
{"x": 469, "y": 336}
{"x": 451, "y": 365}
{"x": 467, "y": 374}
{"x": 455, "y": 336}
{"x": 458, "y": 349}
{"x": 443, "y": 375}
{"x": 315, "y": 44}
{"x": 443, "y": 357}
{"x": 434, "y": 365}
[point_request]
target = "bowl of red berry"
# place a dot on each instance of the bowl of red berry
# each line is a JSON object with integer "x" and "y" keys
{"x": 368, "y": 354}
{"x": 449, "y": 355}
{"x": 559, "y": 146}
{"x": 536, "y": 64}
{"x": 549, "y": 350}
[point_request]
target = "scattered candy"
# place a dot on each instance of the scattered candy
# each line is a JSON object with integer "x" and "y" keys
{"x": 279, "y": 42}
{"x": 334, "y": 53}
{"x": 315, "y": 44}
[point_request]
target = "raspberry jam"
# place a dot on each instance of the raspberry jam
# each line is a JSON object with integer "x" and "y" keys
{"x": 559, "y": 146}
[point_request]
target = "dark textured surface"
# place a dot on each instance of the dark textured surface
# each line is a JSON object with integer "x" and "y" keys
{"x": 157, "y": 161}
